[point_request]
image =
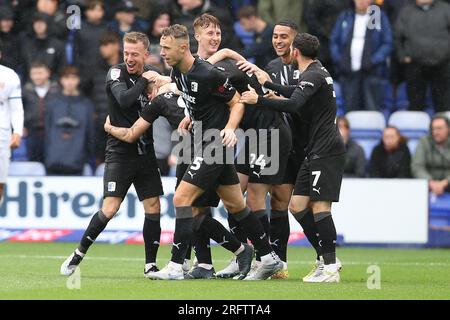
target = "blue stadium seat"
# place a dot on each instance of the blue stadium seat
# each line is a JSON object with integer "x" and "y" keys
{"x": 100, "y": 170}
{"x": 87, "y": 170}
{"x": 366, "y": 128}
{"x": 26, "y": 168}
{"x": 412, "y": 124}
{"x": 439, "y": 234}
{"x": 20, "y": 154}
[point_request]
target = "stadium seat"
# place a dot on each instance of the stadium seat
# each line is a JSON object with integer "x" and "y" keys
{"x": 447, "y": 114}
{"x": 439, "y": 235}
{"x": 26, "y": 168}
{"x": 412, "y": 124}
{"x": 100, "y": 170}
{"x": 366, "y": 128}
{"x": 87, "y": 170}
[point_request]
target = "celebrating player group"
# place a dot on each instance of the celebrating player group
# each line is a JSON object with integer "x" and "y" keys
{"x": 289, "y": 148}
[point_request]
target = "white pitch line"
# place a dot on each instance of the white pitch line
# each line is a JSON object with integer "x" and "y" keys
{"x": 300, "y": 262}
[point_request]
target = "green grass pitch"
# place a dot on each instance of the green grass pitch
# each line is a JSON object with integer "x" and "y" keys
{"x": 31, "y": 271}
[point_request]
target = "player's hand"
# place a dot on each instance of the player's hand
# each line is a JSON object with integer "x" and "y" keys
{"x": 185, "y": 126}
{"x": 246, "y": 66}
{"x": 271, "y": 95}
{"x": 262, "y": 76}
{"x": 15, "y": 141}
{"x": 107, "y": 126}
{"x": 151, "y": 75}
{"x": 249, "y": 97}
{"x": 229, "y": 137}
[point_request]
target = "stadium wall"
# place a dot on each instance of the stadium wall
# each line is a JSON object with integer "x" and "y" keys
{"x": 46, "y": 209}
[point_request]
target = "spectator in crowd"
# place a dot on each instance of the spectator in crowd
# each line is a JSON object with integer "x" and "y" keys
{"x": 36, "y": 95}
{"x": 274, "y": 11}
{"x": 234, "y": 5}
{"x": 126, "y": 20}
{"x": 158, "y": 21}
{"x": 57, "y": 26}
{"x": 261, "y": 49}
{"x": 38, "y": 45}
{"x": 391, "y": 157}
{"x": 185, "y": 11}
{"x": 69, "y": 128}
{"x": 392, "y": 9}
{"x": 355, "y": 160}
{"x": 93, "y": 86}
{"x": 432, "y": 157}
{"x": 359, "y": 49}
{"x": 320, "y": 18}
{"x": 149, "y": 8}
{"x": 11, "y": 49}
{"x": 422, "y": 41}
{"x": 87, "y": 38}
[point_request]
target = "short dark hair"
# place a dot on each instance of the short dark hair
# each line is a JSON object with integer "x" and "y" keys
{"x": 288, "y": 23}
{"x": 91, "y": 4}
{"x": 109, "y": 38}
{"x": 39, "y": 64}
{"x": 344, "y": 121}
{"x": 69, "y": 71}
{"x": 442, "y": 117}
{"x": 247, "y": 12}
{"x": 307, "y": 44}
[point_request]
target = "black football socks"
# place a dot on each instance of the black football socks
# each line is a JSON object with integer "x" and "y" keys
{"x": 254, "y": 230}
{"x": 96, "y": 226}
{"x": 152, "y": 235}
{"x": 306, "y": 220}
{"x": 279, "y": 232}
{"x": 327, "y": 235}
{"x": 183, "y": 233}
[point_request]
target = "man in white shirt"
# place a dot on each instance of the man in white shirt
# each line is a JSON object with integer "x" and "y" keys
{"x": 11, "y": 119}
{"x": 360, "y": 45}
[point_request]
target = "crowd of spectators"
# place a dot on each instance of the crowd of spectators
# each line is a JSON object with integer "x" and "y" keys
{"x": 63, "y": 66}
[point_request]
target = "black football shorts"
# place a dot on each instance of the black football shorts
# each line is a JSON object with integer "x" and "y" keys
{"x": 255, "y": 162}
{"x": 142, "y": 172}
{"x": 321, "y": 179}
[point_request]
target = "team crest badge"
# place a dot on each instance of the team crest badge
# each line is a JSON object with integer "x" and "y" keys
{"x": 194, "y": 86}
{"x": 115, "y": 74}
{"x": 296, "y": 75}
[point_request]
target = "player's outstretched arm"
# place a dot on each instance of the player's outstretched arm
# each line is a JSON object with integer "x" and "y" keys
{"x": 129, "y": 135}
{"x": 225, "y": 54}
{"x": 291, "y": 105}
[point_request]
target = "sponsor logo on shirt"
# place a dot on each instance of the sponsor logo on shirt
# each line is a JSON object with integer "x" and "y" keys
{"x": 194, "y": 86}
{"x": 111, "y": 186}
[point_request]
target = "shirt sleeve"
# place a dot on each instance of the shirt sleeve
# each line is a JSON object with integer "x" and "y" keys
{"x": 220, "y": 85}
{"x": 305, "y": 89}
{"x": 152, "y": 110}
{"x": 125, "y": 96}
{"x": 16, "y": 106}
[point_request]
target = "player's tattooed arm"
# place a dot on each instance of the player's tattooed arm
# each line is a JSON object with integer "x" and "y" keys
{"x": 129, "y": 135}
{"x": 224, "y": 54}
